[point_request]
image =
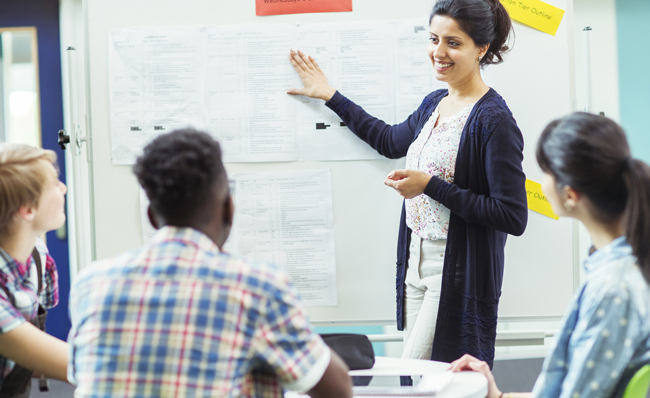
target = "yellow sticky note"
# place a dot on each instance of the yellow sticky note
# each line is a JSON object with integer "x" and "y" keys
{"x": 537, "y": 200}
{"x": 535, "y": 13}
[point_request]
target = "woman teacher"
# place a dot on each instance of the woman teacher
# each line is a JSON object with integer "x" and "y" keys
{"x": 464, "y": 186}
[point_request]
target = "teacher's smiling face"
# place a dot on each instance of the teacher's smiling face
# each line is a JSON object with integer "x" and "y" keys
{"x": 453, "y": 53}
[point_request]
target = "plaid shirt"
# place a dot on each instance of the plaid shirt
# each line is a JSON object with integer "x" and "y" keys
{"x": 22, "y": 281}
{"x": 178, "y": 318}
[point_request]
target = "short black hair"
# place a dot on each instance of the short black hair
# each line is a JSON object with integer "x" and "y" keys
{"x": 181, "y": 172}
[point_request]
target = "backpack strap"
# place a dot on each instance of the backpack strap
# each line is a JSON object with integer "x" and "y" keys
{"x": 39, "y": 269}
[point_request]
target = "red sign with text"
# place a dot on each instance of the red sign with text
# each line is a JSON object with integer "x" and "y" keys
{"x": 277, "y": 7}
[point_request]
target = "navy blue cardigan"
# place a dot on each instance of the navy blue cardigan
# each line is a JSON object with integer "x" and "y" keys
{"x": 487, "y": 201}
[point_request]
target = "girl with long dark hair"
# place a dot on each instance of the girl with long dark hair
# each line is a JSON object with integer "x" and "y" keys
{"x": 604, "y": 339}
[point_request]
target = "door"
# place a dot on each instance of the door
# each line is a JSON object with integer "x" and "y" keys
{"x": 43, "y": 15}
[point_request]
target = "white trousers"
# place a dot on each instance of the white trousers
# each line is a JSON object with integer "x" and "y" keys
{"x": 422, "y": 295}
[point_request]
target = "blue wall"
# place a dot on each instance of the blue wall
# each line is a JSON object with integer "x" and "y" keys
{"x": 633, "y": 36}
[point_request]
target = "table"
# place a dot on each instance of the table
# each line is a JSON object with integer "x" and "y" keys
{"x": 463, "y": 384}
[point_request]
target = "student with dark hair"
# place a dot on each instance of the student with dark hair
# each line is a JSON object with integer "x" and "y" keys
{"x": 180, "y": 318}
{"x": 604, "y": 338}
{"x": 464, "y": 186}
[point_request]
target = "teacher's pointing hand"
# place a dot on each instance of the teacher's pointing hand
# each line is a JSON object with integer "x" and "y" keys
{"x": 408, "y": 183}
{"x": 312, "y": 77}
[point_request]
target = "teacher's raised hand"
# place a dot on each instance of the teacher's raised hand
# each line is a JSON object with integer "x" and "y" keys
{"x": 408, "y": 183}
{"x": 313, "y": 79}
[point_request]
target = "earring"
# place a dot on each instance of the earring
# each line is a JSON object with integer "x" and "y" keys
{"x": 479, "y": 58}
{"x": 567, "y": 206}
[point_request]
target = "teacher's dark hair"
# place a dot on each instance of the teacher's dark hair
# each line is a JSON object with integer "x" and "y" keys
{"x": 485, "y": 21}
{"x": 181, "y": 172}
{"x": 590, "y": 154}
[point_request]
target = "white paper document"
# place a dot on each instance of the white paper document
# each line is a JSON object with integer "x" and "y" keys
{"x": 155, "y": 86}
{"x": 247, "y": 107}
{"x": 232, "y": 82}
{"x": 286, "y": 218}
{"x": 357, "y": 60}
{"x": 381, "y": 66}
{"x": 413, "y": 69}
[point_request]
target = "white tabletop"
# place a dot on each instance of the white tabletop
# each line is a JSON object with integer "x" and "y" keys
{"x": 463, "y": 384}
{"x": 386, "y": 366}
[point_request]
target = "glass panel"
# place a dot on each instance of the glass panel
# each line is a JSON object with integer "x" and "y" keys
{"x": 19, "y": 99}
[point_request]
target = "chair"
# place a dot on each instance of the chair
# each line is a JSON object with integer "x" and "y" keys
{"x": 638, "y": 385}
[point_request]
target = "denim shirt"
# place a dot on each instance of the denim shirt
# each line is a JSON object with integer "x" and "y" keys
{"x": 604, "y": 337}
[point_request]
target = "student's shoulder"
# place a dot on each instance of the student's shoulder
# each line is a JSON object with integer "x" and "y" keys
{"x": 634, "y": 284}
{"x": 102, "y": 269}
{"x": 622, "y": 286}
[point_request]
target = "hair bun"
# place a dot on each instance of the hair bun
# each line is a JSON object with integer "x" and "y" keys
{"x": 502, "y": 30}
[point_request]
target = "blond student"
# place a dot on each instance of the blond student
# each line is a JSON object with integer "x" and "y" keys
{"x": 31, "y": 203}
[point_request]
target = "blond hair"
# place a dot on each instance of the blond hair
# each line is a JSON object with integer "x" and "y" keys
{"x": 22, "y": 179}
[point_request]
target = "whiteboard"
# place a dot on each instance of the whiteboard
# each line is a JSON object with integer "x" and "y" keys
{"x": 535, "y": 80}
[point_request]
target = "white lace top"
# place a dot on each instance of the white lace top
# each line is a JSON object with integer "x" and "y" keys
{"x": 434, "y": 152}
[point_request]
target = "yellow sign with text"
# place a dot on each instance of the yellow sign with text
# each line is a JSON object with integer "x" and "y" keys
{"x": 535, "y": 13}
{"x": 537, "y": 200}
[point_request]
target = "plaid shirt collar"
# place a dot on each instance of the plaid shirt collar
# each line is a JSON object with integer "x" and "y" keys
{"x": 12, "y": 269}
{"x": 607, "y": 255}
{"x": 170, "y": 233}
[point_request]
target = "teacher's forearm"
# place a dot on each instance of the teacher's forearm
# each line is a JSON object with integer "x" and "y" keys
{"x": 391, "y": 141}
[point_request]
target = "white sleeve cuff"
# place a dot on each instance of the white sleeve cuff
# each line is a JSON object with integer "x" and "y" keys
{"x": 314, "y": 374}
{"x": 12, "y": 325}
